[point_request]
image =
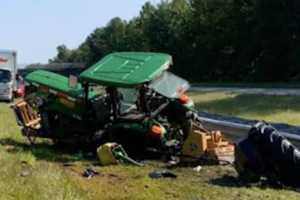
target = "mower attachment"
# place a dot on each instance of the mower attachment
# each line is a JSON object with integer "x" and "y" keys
{"x": 204, "y": 144}
{"x": 27, "y": 118}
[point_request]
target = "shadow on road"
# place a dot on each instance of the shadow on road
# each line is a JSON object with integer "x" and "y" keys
{"x": 228, "y": 181}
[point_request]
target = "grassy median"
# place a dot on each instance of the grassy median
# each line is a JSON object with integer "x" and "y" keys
{"x": 281, "y": 109}
{"x": 44, "y": 171}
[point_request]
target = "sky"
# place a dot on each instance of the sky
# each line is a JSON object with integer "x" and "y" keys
{"x": 34, "y": 28}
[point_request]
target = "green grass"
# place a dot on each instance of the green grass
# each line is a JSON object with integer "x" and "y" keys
{"x": 291, "y": 85}
{"x": 39, "y": 171}
{"x": 282, "y": 109}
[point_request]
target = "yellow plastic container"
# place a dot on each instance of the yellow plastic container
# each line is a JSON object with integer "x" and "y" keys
{"x": 105, "y": 154}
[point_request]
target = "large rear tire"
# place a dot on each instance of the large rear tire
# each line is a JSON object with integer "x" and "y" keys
{"x": 266, "y": 153}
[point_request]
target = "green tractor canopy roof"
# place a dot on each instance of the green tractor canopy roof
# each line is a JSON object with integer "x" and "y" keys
{"x": 127, "y": 69}
{"x": 54, "y": 81}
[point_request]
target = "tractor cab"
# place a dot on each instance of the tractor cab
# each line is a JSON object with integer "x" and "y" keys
{"x": 132, "y": 80}
{"x": 143, "y": 97}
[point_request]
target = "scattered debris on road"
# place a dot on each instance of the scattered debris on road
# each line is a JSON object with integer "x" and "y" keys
{"x": 90, "y": 173}
{"x": 198, "y": 168}
{"x": 162, "y": 174}
{"x": 113, "y": 153}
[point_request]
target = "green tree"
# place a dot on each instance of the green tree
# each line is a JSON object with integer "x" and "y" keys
{"x": 210, "y": 40}
{"x": 63, "y": 54}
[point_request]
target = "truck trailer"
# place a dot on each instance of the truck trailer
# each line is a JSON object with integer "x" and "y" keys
{"x": 8, "y": 73}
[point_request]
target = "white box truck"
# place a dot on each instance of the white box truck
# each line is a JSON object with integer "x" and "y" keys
{"x": 8, "y": 73}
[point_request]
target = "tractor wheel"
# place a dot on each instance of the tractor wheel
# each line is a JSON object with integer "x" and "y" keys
{"x": 266, "y": 153}
{"x": 247, "y": 162}
{"x": 281, "y": 157}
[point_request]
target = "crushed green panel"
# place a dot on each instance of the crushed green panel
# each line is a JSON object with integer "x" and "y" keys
{"x": 127, "y": 69}
{"x": 54, "y": 81}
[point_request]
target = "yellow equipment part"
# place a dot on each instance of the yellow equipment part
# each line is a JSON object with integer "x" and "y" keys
{"x": 201, "y": 142}
{"x": 195, "y": 145}
{"x": 29, "y": 117}
{"x": 105, "y": 154}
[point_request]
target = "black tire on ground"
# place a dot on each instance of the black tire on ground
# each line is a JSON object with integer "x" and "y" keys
{"x": 275, "y": 157}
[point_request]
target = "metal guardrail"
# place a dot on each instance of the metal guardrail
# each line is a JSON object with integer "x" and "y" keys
{"x": 237, "y": 131}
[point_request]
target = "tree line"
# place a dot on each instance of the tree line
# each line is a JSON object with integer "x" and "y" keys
{"x": 210, "y": 40}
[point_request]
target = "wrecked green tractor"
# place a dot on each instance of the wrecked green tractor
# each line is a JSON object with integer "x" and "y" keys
{"x": 130, "y": 98}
